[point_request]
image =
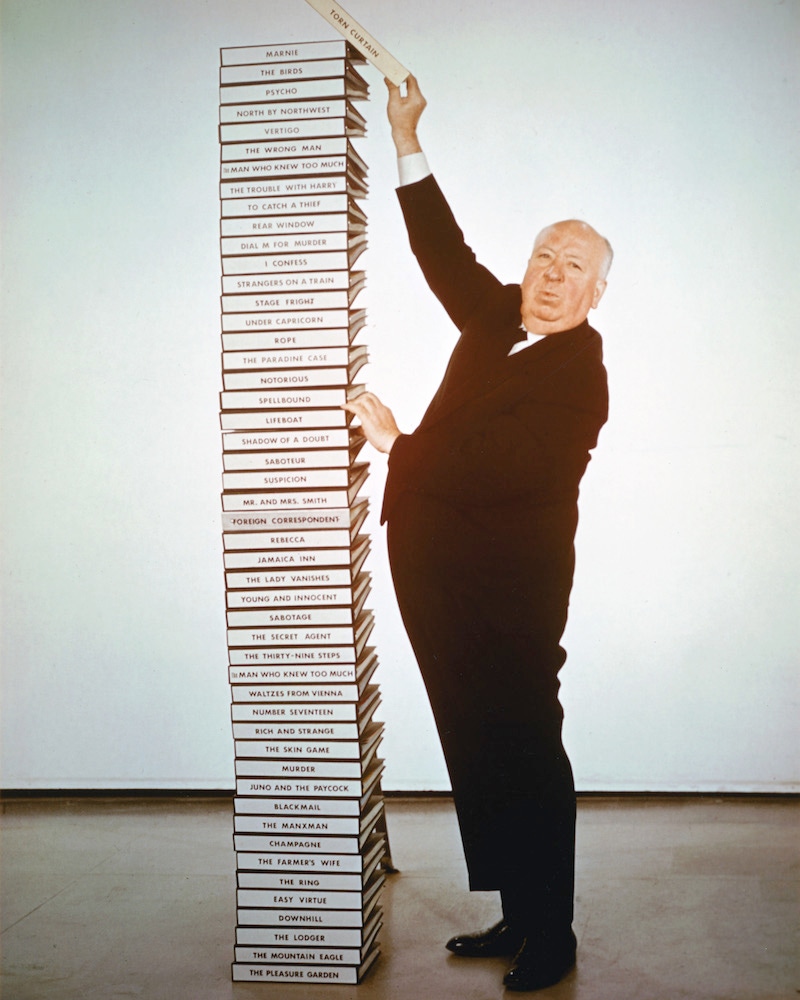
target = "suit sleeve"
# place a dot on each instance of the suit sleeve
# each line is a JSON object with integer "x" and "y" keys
{"x": 450, "y": 267}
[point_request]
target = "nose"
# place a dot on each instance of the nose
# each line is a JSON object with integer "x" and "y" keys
{"x": 555, "y": 271}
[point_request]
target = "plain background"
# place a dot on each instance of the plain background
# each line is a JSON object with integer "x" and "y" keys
{"x": 671, "y": 126}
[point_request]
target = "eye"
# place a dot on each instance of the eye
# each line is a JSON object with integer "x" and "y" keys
{"x": 575, "y": 265}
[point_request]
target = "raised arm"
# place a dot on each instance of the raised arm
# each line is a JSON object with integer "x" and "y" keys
{"x": 450, "y": 267}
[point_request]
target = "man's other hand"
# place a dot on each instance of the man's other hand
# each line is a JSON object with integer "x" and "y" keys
{"x": 377, "y": 420}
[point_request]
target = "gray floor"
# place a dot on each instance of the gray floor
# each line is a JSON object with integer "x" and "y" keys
{"x": 111, "y": 899}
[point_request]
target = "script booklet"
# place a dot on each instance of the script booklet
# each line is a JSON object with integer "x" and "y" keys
{"x": 361, "y": 40}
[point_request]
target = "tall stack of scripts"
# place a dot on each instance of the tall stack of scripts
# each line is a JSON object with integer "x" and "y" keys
{"x": 309, "y": 831}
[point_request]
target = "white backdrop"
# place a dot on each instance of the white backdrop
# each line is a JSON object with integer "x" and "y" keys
{"x": 670, "y": 126}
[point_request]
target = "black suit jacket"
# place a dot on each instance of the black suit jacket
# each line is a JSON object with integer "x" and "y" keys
{"x": 499, "y": 430}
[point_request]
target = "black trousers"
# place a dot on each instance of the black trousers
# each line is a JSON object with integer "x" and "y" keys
{"x": 493, "y": 689}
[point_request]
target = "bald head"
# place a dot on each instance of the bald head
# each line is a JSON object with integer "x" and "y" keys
{"x": 565, "y": 277}
{"x": 588, "y": 232}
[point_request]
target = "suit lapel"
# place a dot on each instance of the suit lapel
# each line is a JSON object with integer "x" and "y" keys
{"x": 514, "y": 376}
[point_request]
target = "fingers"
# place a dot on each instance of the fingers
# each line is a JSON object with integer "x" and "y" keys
{"x": 362, "y": 397}
{"x": 412, "y": 86}
{"x": 413, "y": 94}
{"x": 377, "y": 420}
{"x": 410, "y": 81}
{"x": 364, "y": 403}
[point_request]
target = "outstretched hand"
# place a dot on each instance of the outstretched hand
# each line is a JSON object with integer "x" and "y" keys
{"x": 404, "y": 114}
{"x": 377, "y": 420}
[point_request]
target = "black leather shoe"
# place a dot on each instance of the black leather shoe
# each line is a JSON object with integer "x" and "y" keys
{"x": 499, "y": 940}
{"x": 536, "y": 966}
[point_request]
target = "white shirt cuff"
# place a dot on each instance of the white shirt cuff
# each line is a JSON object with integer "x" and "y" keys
{"x": 412, "y": 168}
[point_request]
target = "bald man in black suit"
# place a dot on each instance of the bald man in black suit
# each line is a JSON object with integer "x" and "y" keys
{"x": 481, "y": 505}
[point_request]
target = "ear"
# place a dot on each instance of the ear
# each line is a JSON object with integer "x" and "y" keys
{"x": 599, "y": 288}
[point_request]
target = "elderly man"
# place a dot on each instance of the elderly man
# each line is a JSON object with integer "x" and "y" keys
{"x": 481, "y": 505}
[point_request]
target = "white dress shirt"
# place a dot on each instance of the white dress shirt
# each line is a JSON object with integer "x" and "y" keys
{"x": 412, "y": 168}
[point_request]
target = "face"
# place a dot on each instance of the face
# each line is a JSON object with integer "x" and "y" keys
{"x": 563, "y": 280}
